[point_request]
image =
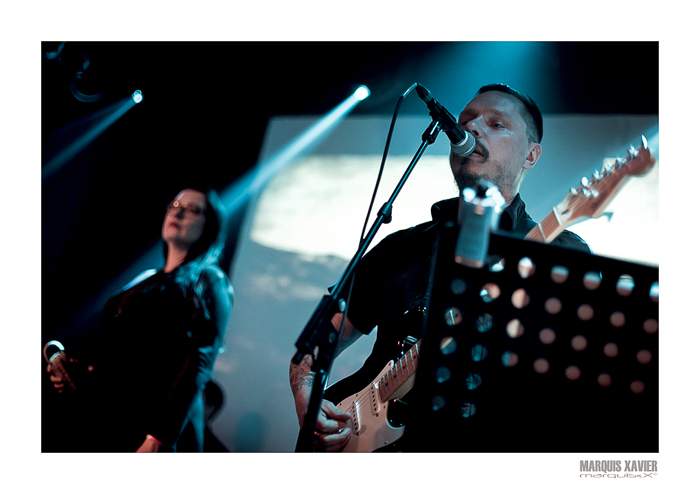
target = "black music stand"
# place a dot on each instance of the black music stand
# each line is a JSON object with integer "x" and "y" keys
{"x": 562, "y": 359}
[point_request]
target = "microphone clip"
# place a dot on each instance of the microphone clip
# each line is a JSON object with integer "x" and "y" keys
{"x": 462, "y": 143}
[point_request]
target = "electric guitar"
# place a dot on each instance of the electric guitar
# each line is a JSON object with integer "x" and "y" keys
{"x": 370, "y": 424}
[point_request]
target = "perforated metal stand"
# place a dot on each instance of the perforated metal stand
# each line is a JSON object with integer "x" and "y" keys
{"x": 545, "y": 349}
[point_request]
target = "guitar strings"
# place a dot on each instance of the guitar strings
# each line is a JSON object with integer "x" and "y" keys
{"x": 398, "y": 372}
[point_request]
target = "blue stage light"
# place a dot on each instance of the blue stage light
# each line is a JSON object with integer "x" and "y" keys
{"x": 361, "y": 93}
{"x": 137, "y": 96}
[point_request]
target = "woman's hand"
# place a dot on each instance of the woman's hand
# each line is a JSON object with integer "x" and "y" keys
{"x": 150, "y": 445}
{"x": 59, "y": 383}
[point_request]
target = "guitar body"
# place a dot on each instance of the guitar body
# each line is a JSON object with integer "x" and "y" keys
{"x": 370, "y": 425}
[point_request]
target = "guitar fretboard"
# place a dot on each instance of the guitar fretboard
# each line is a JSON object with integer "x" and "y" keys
{"x": 401, "y": 373}
{"x": 547, "y": 230}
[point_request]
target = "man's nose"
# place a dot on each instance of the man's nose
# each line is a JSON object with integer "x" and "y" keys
{"x": 473, "y": 127}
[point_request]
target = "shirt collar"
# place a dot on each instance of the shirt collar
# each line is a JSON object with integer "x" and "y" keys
{"x": 511, "y": 216}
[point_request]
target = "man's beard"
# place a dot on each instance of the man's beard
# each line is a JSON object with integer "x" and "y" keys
{"x": 468, "y": 180}
{"x": 471, "y": 180}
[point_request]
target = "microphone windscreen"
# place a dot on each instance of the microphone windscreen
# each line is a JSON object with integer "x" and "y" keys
{"x": 466, "y": 147}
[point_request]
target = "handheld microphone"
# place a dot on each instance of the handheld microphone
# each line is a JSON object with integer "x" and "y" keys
{"x": 462, "y": 143}
{"x": 58, "y": 362}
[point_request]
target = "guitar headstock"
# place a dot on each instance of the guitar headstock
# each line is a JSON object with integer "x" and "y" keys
{"x": 638, "y": 162}
{"x": 591, "y": 198}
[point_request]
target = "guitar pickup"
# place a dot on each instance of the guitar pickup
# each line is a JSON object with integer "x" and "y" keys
{"x": 374, "y": 398}
{"x": 355, "y": 418}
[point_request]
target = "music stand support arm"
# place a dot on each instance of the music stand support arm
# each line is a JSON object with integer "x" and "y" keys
{"x": 319, "y": 332}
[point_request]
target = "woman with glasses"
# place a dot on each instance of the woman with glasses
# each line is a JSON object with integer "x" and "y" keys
{"x": 160, "y": 337}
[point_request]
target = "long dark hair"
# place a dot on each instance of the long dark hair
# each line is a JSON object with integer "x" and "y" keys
{"x": 206, "y": 251}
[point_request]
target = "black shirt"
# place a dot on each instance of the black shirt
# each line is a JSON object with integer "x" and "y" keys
{"x": 159, "y": 342}
{"x": 391, "y": 280}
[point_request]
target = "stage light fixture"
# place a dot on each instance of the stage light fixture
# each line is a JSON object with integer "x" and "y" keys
{"x": 137, "y": 96}
{"x": 361, "y": 93}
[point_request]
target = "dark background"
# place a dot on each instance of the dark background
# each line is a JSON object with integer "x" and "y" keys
{"x": 204, "y": 115}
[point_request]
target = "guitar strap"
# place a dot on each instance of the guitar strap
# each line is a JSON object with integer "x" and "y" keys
{"x": 424, "y": 302}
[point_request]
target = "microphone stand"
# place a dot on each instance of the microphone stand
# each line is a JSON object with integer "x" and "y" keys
{"x": 319, "y": 332}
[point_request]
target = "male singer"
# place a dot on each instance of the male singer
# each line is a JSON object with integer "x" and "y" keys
{"x": 392, "y": 279}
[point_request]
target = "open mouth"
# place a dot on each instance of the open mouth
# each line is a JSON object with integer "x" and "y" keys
{"x": 473, "y": 158}
{"x": 479, "y": 155}
{"x": 480, "y": 150}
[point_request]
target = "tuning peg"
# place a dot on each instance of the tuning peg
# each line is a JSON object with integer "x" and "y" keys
{"x": 584, "y": 182}
{"x": 596, "y": 176}
{"x": 645, "y": 145}
{"x": 591, "y": 193}
{"x": 632, "y": 151}
{"x": 573, "y": 191}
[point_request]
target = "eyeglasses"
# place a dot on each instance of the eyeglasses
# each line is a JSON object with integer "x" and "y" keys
{"x": 189, "y": 209}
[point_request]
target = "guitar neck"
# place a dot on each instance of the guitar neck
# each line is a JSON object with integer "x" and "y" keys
{"x": 399, "y": 379}
{"x": 547, "y": 230}
{"x": 567, "y": 212}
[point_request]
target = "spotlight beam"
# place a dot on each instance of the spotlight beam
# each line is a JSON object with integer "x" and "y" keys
{"x": 107, "y": 117}
{"x": 253, "y": 181}
{"x": 233, "y": 198}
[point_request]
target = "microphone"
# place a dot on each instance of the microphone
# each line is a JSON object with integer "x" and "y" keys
{"x": 59, "y": 361}
{"x": 479, "y": 211}
{"x": 462, "y": 143}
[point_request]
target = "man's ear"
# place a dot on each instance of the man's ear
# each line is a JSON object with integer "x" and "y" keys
{"x": 533, "y": 155}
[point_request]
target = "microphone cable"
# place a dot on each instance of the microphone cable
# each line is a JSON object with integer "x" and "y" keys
{"x": 374, "y": 195}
